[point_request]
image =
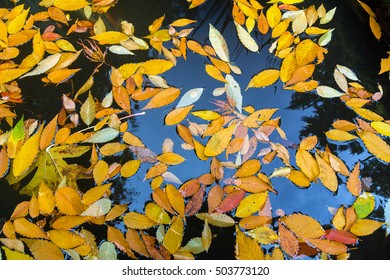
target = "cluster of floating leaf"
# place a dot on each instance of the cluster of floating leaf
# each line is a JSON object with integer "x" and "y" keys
{"x": 51, "y": 224}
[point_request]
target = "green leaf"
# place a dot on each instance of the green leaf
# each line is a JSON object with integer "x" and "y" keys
{"x": 103, "y": 136}
{"x": 217, "y": 219}
{"x": 364, "y": 205}
{"x": 328, "y": 16}
{"x": 107, "y": 251}
{"x": 17, "y": 133}
{"x": 325, "y": 38}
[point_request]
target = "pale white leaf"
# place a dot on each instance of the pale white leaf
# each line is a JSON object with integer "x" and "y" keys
{"x": 171, "y": 178}
{"x": 219, "y": 91}
{"x": 88, "y": 111}
{"x": 292, "y": 14}
{"x": 117, "y": 49}
{"x": 158, "y": 81}
{"x": 45, "y": 65}
{"x": 299, "y": 24}
{"x": 219, "y": 44}
{"x": 387, "y": 217}
{"x": 107, "y": 100}
{"x": 340, "y": 80}
{"x": 234, "y": 91}
{"x": 190, "y": 97}
{"x": 347, "y": 72}
{"x": 246, "y": 39}
{"x": 98, "y": 208}
{"x": 328, "y": 92}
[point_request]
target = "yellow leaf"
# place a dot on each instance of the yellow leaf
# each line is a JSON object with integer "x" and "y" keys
{"x": 356, "y": 102}
{"x": 182, "y": 22}
{"x": 176, "y": 199}
{"x": 308, "y": 143}
{"x": 28, "y": 229}
{"x": 247, "y": 248}
{"x": 174, "y": 236}
{"x": 248, "y": 168}
{"x": 381, "y": 127}
{"x": 299, "y": 178}
{"x": 156, "y": 214}
{"x": 137, "y": 221}
{"x": 339, "y": 135}
{"x": 156, "y": 24}
{"x": 110, "y": 149}
{"x": 46, "y": 250}
{"x": 196, "y": 47}
{"x": 344, "y": 125}
{"x": 45, "y": 199}
{"x": 304, "y": 226}
{"x": 130, "y": 168}
{"x": 100, "y": 171}
{"x": 354, "y": 185}
{"x": 365, "y": 227}
{"x": 206, "y": 115}
{"x": 199, "y": 150}
{"x": 69, "y": 222}
{"x": 68, "y": 201}
{"x": 328, "y": 246}
{"x": 128, "y": 69}
{"x": 385, "y": 65}
{"x": 171, "y": 158}
{"x": 177, "y": 115}
{"x": 21, "y": 210}
{"x": 288, "y": 67}
{"x": 339, "y": 220}
{"x": 251, "y": 204}
{"x": 70, "y": 5}
{"x": 62, "y": 75}
{"x": 217, "y": 219}
{"x": 306, "y": 52}
{"x": 163, "y": 98}
{"x": 264, "y": 78}
{"x": 214, "y": 72}
{"x": 368, "y": 115}
{"x": 26, "y": 155}
{"x": 132, "y": 140}
{"x": 264, "y": 235}
{"x": 156, "y": 170}
{"x": 327, "y": 175}
{"x": 307, "y": 164}
{"x": 252, "y": 222}
{"x": 219, "y": 141}
{"x": 274, "y": 15}
{"x": 14, "y": 255}
{"x": 57, "y": 15}
{"x": 155, "y": 67}
{"x": 95, "y": 193}
{"x": 16, "y": 24}
{"x": 116, "y": 211}
{"x": 110, "y": 37}
{"x": 280, "y": 28}
{"x": 375, "y": 28}
{"x": 65, "y": 239}
{"x": 375, "y": 145}
{"x": 315, "y": 31}
{"x": 7, "y": 75}
{"x": 252, "y": 184}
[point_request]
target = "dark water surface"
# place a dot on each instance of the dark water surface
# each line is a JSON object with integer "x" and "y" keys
{"x": 352, "y": 45}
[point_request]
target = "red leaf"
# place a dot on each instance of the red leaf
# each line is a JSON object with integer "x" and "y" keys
{"x": 231, "y": 201}
{"x": 341, "y": 236}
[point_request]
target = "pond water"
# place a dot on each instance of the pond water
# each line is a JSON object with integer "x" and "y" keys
{"x": 352, "y": 45}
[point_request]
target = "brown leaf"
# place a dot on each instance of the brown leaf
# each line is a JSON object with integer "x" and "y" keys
{"x": 288, "y": 241}
{"x": 195, "y": 203}
{"x": 354, "y": 184}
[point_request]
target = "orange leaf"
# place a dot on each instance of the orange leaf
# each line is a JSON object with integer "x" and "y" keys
{"x": 248, "y": 168}
{"x": 304, "y": 226}
{"x": 65, "y": 239}
{"x": 327, "y": 246}
{"x": 177, "y": 115}
{"x": 45, "y": 199}
{"x": 95, "y": 193}
{"x": 163, "y": 98}
{"x": 288, "y": 241}
{"x": 69, "y": 222}
{"x": 215, "y": 73}
{"x": 138, "y": 221}
{"x": 48, "y": 133}
{"x": 45, "y": 250}
{"x": 161, "y": 198}
{"x": 21, "y": 210}
{"x": 115, "y": 236}
{"x": 214, "y": 198}
{"x": 354, "y": 184}
{"x": 135, "y": 242}
{"x": 115, "y": 212}
{"x": 68, "y": 201}
{"x": 28, "y": 229}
